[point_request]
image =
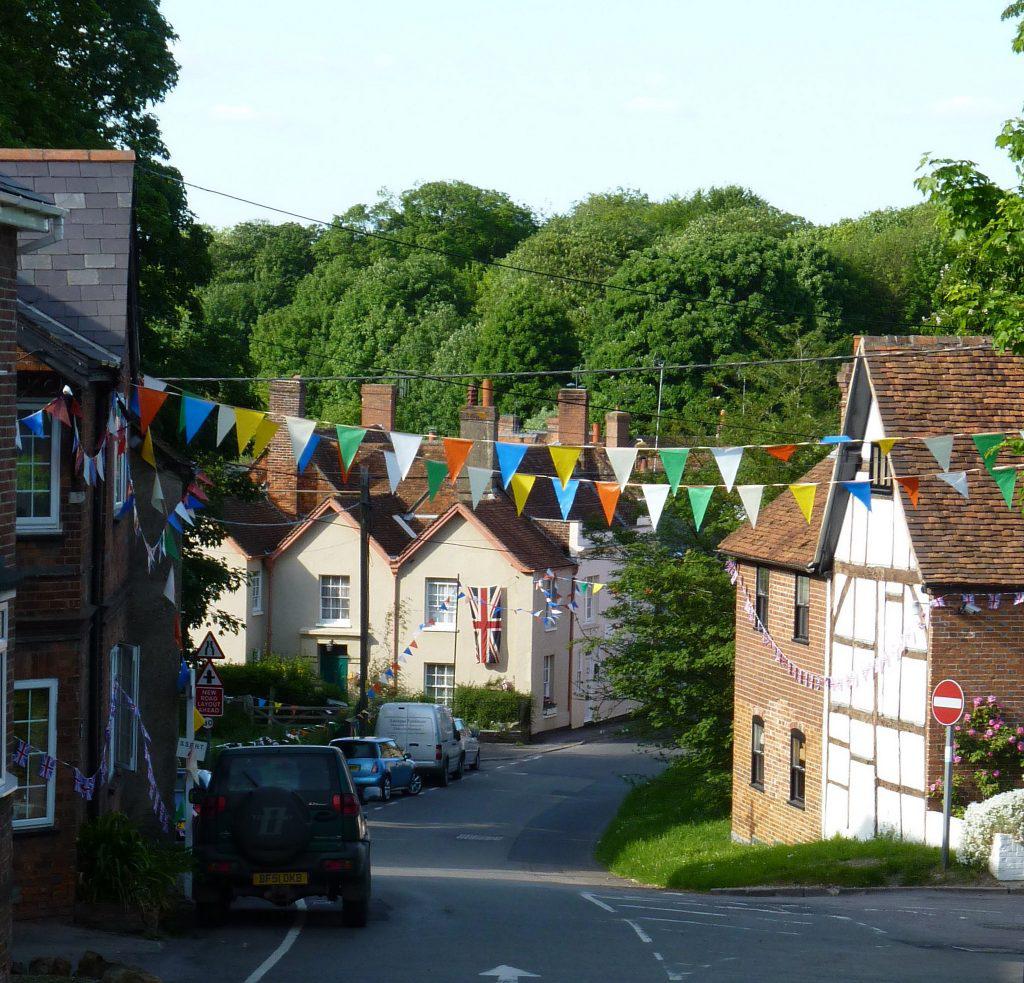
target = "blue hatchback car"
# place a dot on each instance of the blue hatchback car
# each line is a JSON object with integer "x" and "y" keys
{"x": 378, "y": 762}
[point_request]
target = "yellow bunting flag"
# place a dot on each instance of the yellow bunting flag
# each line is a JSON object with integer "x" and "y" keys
{"x": 198, "y": 720}
{"x": 565, "y": 459}
{"x": 596, "y": 588}
{"x": 521, "y": 487}
{"x": 147, "y": 450}
{"x": 247, "y": 422}
{"x": 885, "y": 444}
{"x": 264, "y": 435}
{"x": 804, "y": 494}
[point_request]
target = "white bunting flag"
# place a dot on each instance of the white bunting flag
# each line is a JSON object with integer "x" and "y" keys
{"x": 158, "y": 493}
{"x": 655, "y": 495}
{"x": 300, "y": 432}
{"x": 225, "y": 421}
{"x": 728, "y": 461}
{"x": 479, "y": 479}
{"x": 394, "y": 474}
{"x": 750, "y": 496}
{"x": 941, "y": 448}
{"x": 622, "y": 460}
{"x": 406, "y": 445}
{"x": 149, "y": 382}
{"x": 169, "y": 586}
{"x": 180, "y": 509}
{"x": 957, "y": 480}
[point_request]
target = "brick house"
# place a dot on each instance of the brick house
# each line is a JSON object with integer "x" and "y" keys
{"x": 87, "y": 613}
{"x": 886, "y": 613}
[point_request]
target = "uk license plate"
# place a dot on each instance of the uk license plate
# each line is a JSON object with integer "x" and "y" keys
{"x": 280, "y": 877}
{"x": 354, "y": 767}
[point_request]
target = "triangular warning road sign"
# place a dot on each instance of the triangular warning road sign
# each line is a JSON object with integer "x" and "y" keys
{"x": 209, "y": 648}
{"x": 208, "y": 676}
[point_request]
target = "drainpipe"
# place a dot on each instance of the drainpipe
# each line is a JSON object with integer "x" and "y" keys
{"x": 572, "y": 635}
{"x": 268, "y": 566}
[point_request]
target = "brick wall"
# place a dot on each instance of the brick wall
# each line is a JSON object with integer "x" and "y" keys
{"x": 764, "y": 689}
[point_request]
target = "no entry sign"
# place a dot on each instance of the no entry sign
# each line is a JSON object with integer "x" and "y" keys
{"x": 947, "y": 702}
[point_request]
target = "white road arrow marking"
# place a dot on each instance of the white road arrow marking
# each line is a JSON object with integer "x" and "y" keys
{"x": 509, "y": 974}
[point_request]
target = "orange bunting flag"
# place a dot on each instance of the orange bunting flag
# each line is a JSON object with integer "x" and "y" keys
{"x": 782, "y": 451}
{"x": 150, "y": 401}
{"x": 608, "y": 492}
{"x": 804, "y": 493}
{"x": 456, "y": 450}
{"x": 911, "y": 486}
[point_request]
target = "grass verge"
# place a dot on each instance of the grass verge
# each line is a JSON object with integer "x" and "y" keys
{"x": 674, "y": 832}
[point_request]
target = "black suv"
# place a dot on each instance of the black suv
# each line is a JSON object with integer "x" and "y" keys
{"x": 281, "y": 823}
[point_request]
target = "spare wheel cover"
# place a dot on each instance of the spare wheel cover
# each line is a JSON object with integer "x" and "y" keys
{"x": 271, "y": 826}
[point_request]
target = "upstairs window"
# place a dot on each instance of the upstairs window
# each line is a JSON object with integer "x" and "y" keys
{"x": 761, "y": 596}
{"x": 256, "y": 592}
{"x": 124, "y": 673}
{"x": 37, "y": 484}
{"x": 757, "y": 753}
{"x": 334, "y": 600}
{"x": 797, "y": 768}
{"x": 801, "y": 608}
{"x": 441, "y": 601}
{"x": 879, "y": 470}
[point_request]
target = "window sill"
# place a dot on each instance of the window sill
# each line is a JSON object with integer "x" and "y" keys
{"x": 333, "y": 624}
{"x": 757, "y": 787}
{"x": 34, "y": 827}
{"x": 8, "y": 785}
{"x": 802, "y": 641}
{"x": 255, "y": 614}
{"x": 549, "y": 711}
{"x": 41, "y": 532}
{"x": 796, "y": 804}
{"x": 442, "y": 629}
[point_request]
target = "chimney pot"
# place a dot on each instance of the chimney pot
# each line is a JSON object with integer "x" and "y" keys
{"x": 616, "y": 429}
{"x": 287, "y": 397}
{"x": 471, "y": 394}
{"x": 486, "y": 393}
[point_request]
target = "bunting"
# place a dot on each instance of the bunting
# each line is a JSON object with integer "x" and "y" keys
{"x": 394, "y": 471}
{"x": 1006, "y": 479}
{"x": 566, "y": 496}
{"x": 150, "y": 402}
{"x": 911, "y": 487}
{"x": 885, "y": 445}
{"x": 406, "y": 445}
{"x": 437, "y": 471}
{"x": 988, "y": 445}
{"x": 673, "y": 460}
{"x": 728, "y": 461}
{"x": 264, "y": 434}
{"x": 456, "y": 450}
{"x": 510, "y": 456}
{"x": 194, "y": 412}
{"x": 750, "y": 496}
{"x": 608, "y": 492}
{"x": 225, "y": 421}
{"x": 782, "y": 452}
{"x": 941, "y": 449}
{"x": 622, "y": 461}
{"x": 860, "y": 490}
{"x": 522, "y": 484}
{"x": 247, "y": 425}
{"x": 655, "y": 497}
{"x": 564, "y": 459}
{"x": 479, "y": 482}
{"x": 957, "y": 480}
{"x": 301, "y": 433}
{"x": 699, "y": 498}
{"x": 349, "y": 439}
{"x": 147, "y": 453}
{"x": 804, "y": 493}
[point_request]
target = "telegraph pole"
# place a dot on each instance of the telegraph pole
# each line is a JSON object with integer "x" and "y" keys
{"x": 364, "y": 594}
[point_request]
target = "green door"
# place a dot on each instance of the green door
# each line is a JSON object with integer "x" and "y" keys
{"x": 334, "y": 664}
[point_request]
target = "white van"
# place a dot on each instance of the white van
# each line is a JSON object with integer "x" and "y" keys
{"x": 427, "y": 733}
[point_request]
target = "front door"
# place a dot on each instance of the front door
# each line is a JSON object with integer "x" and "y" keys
{"x": 333, "y": 664}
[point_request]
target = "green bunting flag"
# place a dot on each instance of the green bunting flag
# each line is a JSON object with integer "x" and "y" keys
{"x": 437, "y": 471}
{"x": 1006, "y": 479}
{"x": 171, "y": 545}
{"x": 988, "y": 444}
{"x": 699, "y": 498}
{"x": 349, "y": 439}
{"x": 674, "y": 461}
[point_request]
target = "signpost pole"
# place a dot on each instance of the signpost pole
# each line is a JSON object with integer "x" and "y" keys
{"x": 947, "y": 796}
{"x": 190, "y": 734}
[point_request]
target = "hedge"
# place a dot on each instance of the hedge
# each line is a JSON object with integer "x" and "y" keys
{"x": 486, "y": 705}
{"x": 292, "y": 680}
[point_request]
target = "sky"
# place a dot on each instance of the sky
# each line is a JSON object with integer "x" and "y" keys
{"x": 823, "y": 107}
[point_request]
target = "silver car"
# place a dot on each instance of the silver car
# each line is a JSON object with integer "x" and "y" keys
{"x": 469, "y": 738}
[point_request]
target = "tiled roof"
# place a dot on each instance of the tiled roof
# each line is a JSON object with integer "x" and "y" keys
{"x": 523, "y": 538}
{"x": 258, "y": 526}
{"x": 782, "y": 536}
{"x": 978, "y": 540}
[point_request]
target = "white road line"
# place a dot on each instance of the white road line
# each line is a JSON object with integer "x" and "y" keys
{"x": 282, "y": 950}
{"x": 587, "y": 896}
{"x": 641, "y": 934}
{"x": 659, "y": 956}
{"x": 766, "y": 911}
{"x": 681, "y": 911}
{"x": 690, "y": 921}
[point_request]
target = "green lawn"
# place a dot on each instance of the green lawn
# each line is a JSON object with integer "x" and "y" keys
{"x": 674, "y": 832}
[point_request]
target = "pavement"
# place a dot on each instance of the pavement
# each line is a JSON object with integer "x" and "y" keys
{"x": 493, "y": 879}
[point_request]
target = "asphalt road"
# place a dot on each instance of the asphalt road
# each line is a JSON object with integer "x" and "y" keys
{"x": 496, "y": 871}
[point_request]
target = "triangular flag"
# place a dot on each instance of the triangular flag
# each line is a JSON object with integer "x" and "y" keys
{"x": 150, "y": 401}
{"x": 17, "y": 437}
{"x": 597, "y": 588}
{"x": 34, "y": 423}
{"x": 608, "y": 492}
{"x": 885, "y": 445}
{"x": 987, "y": 444}
{"x": 264, "y": 434}
{"x": 169, "y": 586}
{"x": 699, "y": 498}
{"x": 247, "y": 422}
{"x": 781, "y": 451}
{"x": 406, "y": 445}
{"x": 510, "y": 456}
{"x": 912, "y": 488}
{"x": 394, "y": 472}
{"x": 750, "y": 496}
{"x": 804, "y": 493}
{"x": 479, "y": 479}
{"x": 151, "y": 382}
{"x": 860, "y": 490}
{"x": 728, "y": 461}
{"x": 198, "y": 720}
{"x": 171, "y": 545}
{"x": 521, "y": 486}
{"x": 180, "y": 509}
{"x": 158, "y": 493}
{"x": 349, "y": 439}
{"x": 456, "y": 450}
{"x": 304, "y": 440}
{"x": 1006, "y": 479}
{"x": 674, "y": 461}
{"x": 655, "y": 496}
{"x": 225, "y": 421}
{"x": 147, "y": 453}
{"x": 957, "y": 480}
{"x": 839, "y": 438}
{"x": 566, "y": 496}
{"x": 941, "y": 448}
{"x": 195, "y": 413}
{"x": 437, "y": 471}
{"x": 622, "y": 460}
{"x": 564, "y": 459}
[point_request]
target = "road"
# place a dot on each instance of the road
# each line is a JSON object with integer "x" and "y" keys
{"x": 496, "y": 871}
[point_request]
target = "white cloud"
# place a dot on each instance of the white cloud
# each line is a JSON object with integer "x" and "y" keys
{"x": 651, "y": 104}
{"x": 228, "y": 113}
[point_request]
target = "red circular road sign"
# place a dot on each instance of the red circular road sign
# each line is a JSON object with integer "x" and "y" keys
{"x": 947, "y": 702}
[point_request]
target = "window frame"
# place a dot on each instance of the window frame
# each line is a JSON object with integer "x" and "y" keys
{"x": 120, "y": 481}
{"x": 797, "y": 769}
{"x": 761, "y": 598}
{"x": 548, "y": 701}
{"x": 255, "y": 591}
{"x": 589, "y": 603}
{"x": 879, "y": 471}
{"x": 123, "y": 713}
{"x": 801, "y": 612}
{"x": 431, "y": 689}
{"x": 450, "y": 615}
{"x": 51, "y": 749}
{"x": 51, "y": 522}
{"x": 344, "y": 619}
{"x": 757, "y": 753}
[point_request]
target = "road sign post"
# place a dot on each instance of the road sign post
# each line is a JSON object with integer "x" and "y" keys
{"x": 947, "y": 708}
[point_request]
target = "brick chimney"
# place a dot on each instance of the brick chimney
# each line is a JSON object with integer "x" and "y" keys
{"x": 616, "y": 429}
{"x": 479, "y": 423}
{"x": 287, "y": 398}
{"x": 378, "y": 405}
{"x": 573, "y": 407}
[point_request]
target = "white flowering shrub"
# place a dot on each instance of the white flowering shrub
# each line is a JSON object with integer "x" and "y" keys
{"x": 1003, "y": 813}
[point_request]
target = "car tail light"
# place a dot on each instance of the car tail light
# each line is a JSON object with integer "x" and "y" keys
{"x": 437, "y": 752}
{"x": 220, "y": 867}
{"x": 375, "y": 768}
{"x": 345, "y": 805}
{"x": 335, "y": 865}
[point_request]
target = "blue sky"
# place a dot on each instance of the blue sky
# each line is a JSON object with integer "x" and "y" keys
{"x": 823, "y": 107}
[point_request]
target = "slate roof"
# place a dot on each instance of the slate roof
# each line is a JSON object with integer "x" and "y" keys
{"x": 782, "y": 536}
{"x": 82, "y": 279}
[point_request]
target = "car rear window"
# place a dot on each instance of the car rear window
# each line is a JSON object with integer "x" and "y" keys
{"x": 358, "y": 749}
{"x": 305, "y": 773}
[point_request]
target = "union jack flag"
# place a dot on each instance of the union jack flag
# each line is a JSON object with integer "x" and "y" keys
{"x": 84, "y": 785}
{"x": 47, "y": 766}
{"x": 19, "y": 756}
{"x": 485, "y": 604}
